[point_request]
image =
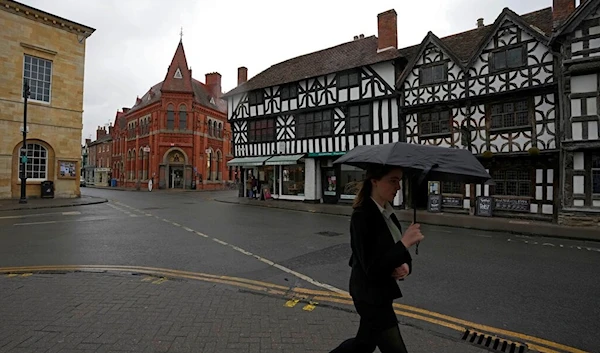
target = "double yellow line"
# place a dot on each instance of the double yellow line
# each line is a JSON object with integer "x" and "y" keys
{"x": 535, "y": 343}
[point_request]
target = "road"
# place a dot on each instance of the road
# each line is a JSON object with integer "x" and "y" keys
{"x": 546, "y": 288}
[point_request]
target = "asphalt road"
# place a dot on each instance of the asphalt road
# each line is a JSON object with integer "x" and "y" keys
{"x": 547, "y": 288}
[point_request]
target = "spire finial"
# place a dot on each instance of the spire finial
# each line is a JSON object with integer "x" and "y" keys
{"x": 181, "y": 35}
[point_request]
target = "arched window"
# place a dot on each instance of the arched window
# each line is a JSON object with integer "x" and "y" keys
{"x": 182, "y": 117}
{"x": 209, "y": 164}
{"x": 220, "y": 129}
{"x": 36, "y": 167}
{"x": 215, "y": 130}
{"x": 219, "y": 175}
{"x": 210, "y": 128}
{"x": 170, "y": 117}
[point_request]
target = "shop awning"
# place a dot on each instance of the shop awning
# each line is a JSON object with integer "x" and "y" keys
{"x": 284, "y": 160}
{"x": 248, "y": 161}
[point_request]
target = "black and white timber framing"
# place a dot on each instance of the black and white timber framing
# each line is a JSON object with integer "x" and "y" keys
{"x": 578, "y": 41}
{"x": 500, "y": 104}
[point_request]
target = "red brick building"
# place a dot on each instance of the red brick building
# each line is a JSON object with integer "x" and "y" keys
{"x": 176, "y": 135}
{"x": 98, "y": 168}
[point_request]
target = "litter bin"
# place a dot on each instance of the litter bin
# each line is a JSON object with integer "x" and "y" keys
{"x": 47, "y": 189}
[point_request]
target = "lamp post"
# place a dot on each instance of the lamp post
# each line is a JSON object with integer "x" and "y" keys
{"x": 24, "y": 148}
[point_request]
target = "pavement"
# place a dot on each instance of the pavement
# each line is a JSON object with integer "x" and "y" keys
{"x": 39, "y": 203}
{"x": 115, "y": 311}
{"x": 499, "y": 224}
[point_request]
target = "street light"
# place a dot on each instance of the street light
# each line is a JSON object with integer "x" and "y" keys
{"x": 26, "y": 93}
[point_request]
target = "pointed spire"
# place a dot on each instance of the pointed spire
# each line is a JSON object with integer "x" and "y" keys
{"x": 179, "y": 76}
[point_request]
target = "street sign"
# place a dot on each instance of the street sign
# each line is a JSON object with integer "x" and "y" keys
{"x": 146, "y": 149}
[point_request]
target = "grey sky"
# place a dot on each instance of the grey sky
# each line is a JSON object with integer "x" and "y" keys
{"x": 136, "y": 39}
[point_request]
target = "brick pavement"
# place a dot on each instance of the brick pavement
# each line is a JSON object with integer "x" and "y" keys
{"x": 116, "y": 312}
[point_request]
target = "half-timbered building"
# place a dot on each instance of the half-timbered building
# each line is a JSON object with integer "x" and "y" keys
{"x": 490, "y": 90}
{"x": 578, "y": 41}
{"x": 176, "y": 134}
{"x": 292, "y": 120}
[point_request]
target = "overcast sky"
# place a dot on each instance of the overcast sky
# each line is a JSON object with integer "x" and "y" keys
{"x": 136, "y": 39}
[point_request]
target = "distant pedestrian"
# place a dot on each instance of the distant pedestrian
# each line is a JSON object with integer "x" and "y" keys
{"x": 379, "y": 259}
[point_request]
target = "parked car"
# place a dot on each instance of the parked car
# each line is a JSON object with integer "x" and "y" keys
{"x": 81, "y": 181}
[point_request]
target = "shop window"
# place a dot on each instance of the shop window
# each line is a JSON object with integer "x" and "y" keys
{"x": 452, "y": 187}
{"x": 435, "y": 123}
{"x": 512, "y": 182}
{"x": 269, "y": 179}
{"x": 293, "y": 179}
{"x": 350, "y": 180}
{"x": 510, "y": 115}
{"x": 261, "y": 130}
{"x": 314, "y": 124}
{"x": 596, "y": 173}
{"x": 359, "y": 118}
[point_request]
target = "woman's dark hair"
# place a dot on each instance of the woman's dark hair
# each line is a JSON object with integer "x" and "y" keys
{"x": 375, "y": 172}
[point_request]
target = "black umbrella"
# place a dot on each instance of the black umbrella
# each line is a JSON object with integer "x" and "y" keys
{"x": 422, "y": 162}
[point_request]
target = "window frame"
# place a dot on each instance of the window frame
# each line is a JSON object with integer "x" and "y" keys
{"x": 256, "y": 97}
{"x": 349, "y": 118}
{"x": 29, "y": 175}
{"x": 267, "y": 133}
{"x": 29, "y": 79}
{"x": 594, "y": 170}
{"x": 490, "y": 115}
{"x": 505, "y": 180}
{"x": 432, "y": 66}
{"x": 170, "y": 117}
{"x": 345, "y": 76}
{"x": 301, "y": 123}
{"x": 291, "y": 90}
{"x": 438, "y": 112}
{"x": 504, "y": 50}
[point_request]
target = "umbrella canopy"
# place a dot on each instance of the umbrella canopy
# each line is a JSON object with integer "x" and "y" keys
{"x": 440, "y": 163}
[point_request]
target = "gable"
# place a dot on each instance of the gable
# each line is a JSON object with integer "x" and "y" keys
{"x": 584, "y": 41}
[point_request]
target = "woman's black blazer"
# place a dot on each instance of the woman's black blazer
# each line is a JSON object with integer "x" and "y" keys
{"x": 374, "y": 255}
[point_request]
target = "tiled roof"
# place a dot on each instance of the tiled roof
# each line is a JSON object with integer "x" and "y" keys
{"x": 201, "y": 96}
{"x": 364, "y": 52}
{"x": 345, "y": 56}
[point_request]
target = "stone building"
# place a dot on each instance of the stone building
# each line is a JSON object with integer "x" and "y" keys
{"x": 47, "y": 52}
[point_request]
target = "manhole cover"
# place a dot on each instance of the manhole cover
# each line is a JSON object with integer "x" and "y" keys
{"x": 329, "y": 234}
{"x": 493, "y": 342}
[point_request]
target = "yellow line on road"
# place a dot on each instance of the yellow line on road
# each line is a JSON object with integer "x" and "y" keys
{"x": 407, "y": 311}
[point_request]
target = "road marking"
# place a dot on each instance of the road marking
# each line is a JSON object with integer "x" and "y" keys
{"x": 481, "y": 235}
{"x": 188, "y": 229}
{"x": 72, "y": 213}
{"x": 40, "y": 215}
{"x": 457, "y": 324}
{"x": 310, "y": 306}
{"x": 553, "y": 245}
{"x": 33, "y": 223}
{"x": 291, "y": 303}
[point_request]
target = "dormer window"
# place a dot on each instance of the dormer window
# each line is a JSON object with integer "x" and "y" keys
{"x": 256, "y": 97}
{"x": 348, "y": 79}
{"x": 433, "y": 73}
{"x": 289, "y": 91}
{"x": 510, "y": 58}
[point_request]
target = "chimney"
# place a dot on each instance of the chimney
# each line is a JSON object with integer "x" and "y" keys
{"x": 213, "y": 81}
{"x": 100, "y": 132}
{"x": 125, "y": 110}
{"x": 561, "y": 9}
{"x": 88, "y": 141}
{"x": 355, "y": 37}
{"x": 479, "y": 22}
{"x": 242, "y": 75}
{"x": 362, "y": 36}
{"x": 387, "y": 27}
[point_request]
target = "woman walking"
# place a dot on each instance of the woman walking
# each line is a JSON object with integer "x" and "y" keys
{"x": 380, "y": 258}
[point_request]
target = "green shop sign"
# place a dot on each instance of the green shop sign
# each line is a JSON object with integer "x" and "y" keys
{"x": 326, "y": 154}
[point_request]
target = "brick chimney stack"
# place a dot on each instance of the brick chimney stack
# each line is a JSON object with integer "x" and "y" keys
{"x": 561, "y": 9}
{"x": 242, "y": 75}
{"x": 387, "y": 28}
{"x": 88, "y": 141}
{"x": 213, "y": 81}
{"x": 100, "y": 132}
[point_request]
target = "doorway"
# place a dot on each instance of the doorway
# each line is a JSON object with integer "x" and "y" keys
{"x": 176, "y": 177}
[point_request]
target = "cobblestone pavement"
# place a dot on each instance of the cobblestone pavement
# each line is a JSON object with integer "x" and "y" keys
{"x": 117, "y": 312}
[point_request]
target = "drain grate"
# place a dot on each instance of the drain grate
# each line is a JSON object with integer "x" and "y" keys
{"x": 493, "y": 342}
{"x": 329, "y": 234}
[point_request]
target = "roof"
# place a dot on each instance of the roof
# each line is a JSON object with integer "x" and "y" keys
{"x": 581, "y": 12}
{"x": 46, "y": 17}
{"x": 363, "y": 52}
{"x": 345, "y": 56}
{"x": 201, "y": 96}
{"x": 102, "y": 139}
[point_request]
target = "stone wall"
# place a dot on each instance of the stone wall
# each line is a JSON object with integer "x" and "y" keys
{"x": 579, "y": 219}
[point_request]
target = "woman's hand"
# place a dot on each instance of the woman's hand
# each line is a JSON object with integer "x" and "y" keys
{"x": 412, "y": 235}
{"x": 400, "y": 272}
